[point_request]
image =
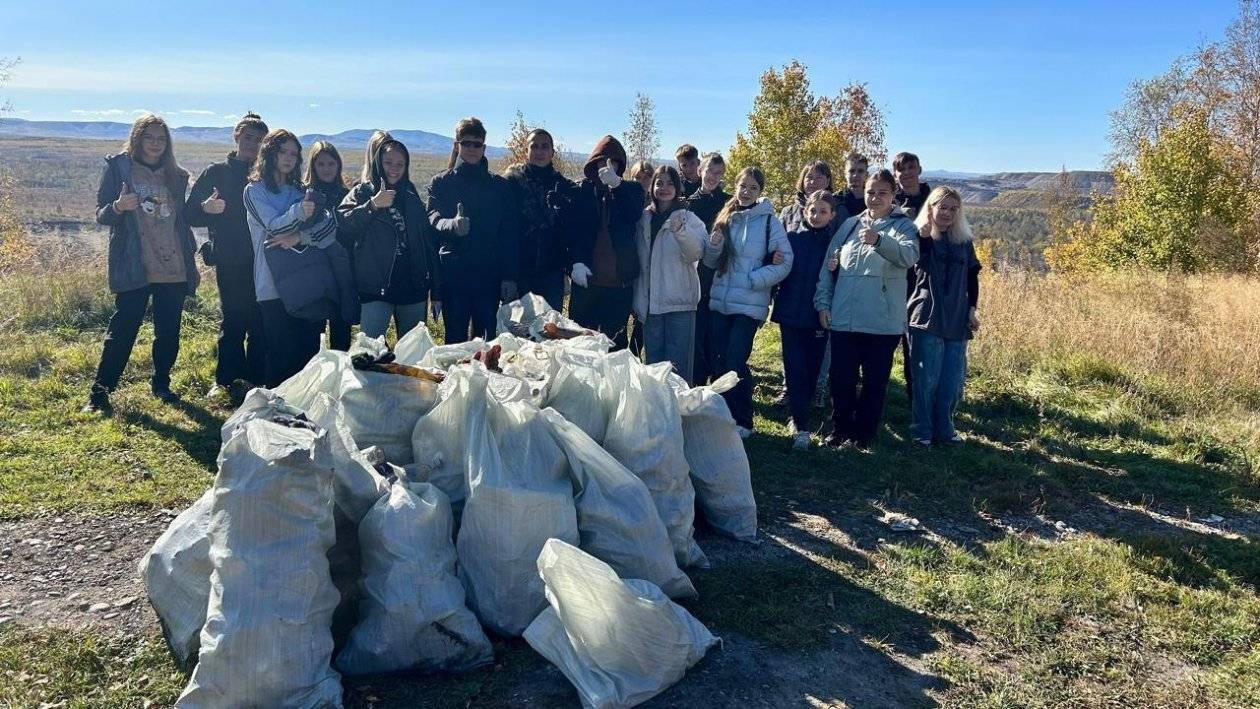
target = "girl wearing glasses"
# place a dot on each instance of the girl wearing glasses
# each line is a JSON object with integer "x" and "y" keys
{"x": 477, "y": 225}
{"x": 141, "y": 200}
{"x": 384, "y": 223}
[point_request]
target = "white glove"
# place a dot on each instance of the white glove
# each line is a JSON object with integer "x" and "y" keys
{"x": 580, "y": 273}
{"x": 608, "y": 174}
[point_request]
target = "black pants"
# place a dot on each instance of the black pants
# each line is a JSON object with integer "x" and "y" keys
{"x": 242, "y": 347}
{"x": 548, "y": 285}
{"x": 338, "y": 334}
{"x": 462, "y": 307}
{"x": 731, "y": 339}
{"x": 124, "y": 324}
{"x": 291, "y": 342}
{"x": 906, "y": 368}
{"x": 700, "y": 374}
{"x": 604, "y": 309}
{"x": 636, "y": 337}
{"x": 803, "y": 349}
{"x": 860, "y": 356}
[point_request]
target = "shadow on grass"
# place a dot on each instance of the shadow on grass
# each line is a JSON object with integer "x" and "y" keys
{"x": 200, "y": 442}
{"x": 1031, "y": 463}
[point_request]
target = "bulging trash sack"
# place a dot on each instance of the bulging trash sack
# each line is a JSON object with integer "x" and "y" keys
{"x": 439, "y": 438}
{"x": 577, "y": 390}
{"x": 519, "y": 496}
{"x": 412, "y": 615}
{"x": 719, "y": 464}
{"x": 619, "y": 642}
{"x": 176, "y": 573}
{"x": 412, "y": 347}
{"x": 645, "y": 435}
{"x": 356, "y": 484}
{"x": 266, "y": 640}
{"x": 617, "y": 521}
{"x": 516, "y": 317}
{"x": 380, "y": 408}
{"x": 447, "y": 356}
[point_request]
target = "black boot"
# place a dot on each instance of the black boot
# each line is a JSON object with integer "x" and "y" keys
{"x": 98, "y": 401}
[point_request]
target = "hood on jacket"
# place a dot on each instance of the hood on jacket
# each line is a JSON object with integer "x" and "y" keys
{"x": 607, "y": 147}
{"x": 761, "y": 207}
{"x": 378, "y": 172}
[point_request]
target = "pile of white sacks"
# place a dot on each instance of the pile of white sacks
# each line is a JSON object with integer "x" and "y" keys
{"x": 367, "y": 522}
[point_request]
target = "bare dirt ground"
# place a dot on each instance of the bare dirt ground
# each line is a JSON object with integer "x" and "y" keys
{"x": 79, "y": 571}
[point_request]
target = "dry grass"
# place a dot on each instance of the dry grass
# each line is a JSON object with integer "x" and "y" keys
{"x": 1193, "y": 339}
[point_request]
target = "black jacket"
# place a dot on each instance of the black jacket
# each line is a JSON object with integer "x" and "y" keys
{"x": 230, "y": 245}
{"x": 625, "y": 207}
{"x": 372, "y": 239}
{"x": 490, "y": 253}
{"x": 794, "y": 297}
{"x": 544, "y": 196}
{"x": 707, "y": 207}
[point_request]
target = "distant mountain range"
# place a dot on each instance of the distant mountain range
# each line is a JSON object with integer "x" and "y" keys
{"x": 1004, "y": 189}
{"x": 417, "y": 141}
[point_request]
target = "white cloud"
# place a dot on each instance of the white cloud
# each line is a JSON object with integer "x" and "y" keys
{"x": 312, "y": 105}
{"x": 230, "y": 117}
{"x": 196, "y": 112}
{"x": 98, "y": 112}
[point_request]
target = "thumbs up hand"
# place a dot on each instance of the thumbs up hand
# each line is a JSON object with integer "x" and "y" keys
{"x": 127, "y": 200}
{"x": 383, "y": 199}
{"x": 213, "y": 204}
{"x": 677, "y": 221}
{"x": 608, "y": 174}
{"x": 308, "y": 205}
{"x": 460, "y": 224}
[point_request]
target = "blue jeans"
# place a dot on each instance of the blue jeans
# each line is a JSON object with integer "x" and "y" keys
{"x": 670, "y": 337}
{"x": 939, "y": 367}
{"x": 375, "y": 316}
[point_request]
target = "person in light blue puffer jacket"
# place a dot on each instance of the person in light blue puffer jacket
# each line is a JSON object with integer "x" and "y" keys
{"x": 861, "y": 298}
{"x": 750, "y": 252}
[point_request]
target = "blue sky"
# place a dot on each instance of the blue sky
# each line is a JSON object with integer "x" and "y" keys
{"x": 983, "y": 87}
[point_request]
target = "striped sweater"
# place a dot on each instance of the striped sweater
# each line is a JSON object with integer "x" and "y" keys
{"x": 276, "y": 214}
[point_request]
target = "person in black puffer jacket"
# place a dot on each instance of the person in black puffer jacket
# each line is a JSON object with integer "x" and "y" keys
{"x": 324, "y": 176}
{"x": 478, "y": 224}
{"x": 216, "y": 203}
{"x": 605, "y": 216}
{"x": 386, "y": 227}
{"x": 543, "y": 195}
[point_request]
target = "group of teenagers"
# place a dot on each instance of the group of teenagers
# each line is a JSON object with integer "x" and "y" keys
{"x": 662, "y": 259}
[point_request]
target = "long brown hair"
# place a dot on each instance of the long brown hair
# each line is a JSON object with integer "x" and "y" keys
{"x": 471, "y": 127}
{"x": 319, "y": 148}
{"x": 176, "y": 177}
{"x": 821, "y": 167}
{"x": 723, "y": 221}
{"x": 670, "y": 173}
{"x": 265, "y": 166}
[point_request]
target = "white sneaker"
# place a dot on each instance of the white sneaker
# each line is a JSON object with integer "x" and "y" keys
{"x": 800, "y": 441}
{"x": 743, "y": 432}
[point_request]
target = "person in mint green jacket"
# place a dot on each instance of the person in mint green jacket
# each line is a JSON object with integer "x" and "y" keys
{"x": 861, "y": 298}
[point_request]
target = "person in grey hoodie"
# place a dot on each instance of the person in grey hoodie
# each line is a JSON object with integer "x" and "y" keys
{"x": 670, "y": 241}
{"x": 750, "y": 252}
{"x": 861, "y": 299}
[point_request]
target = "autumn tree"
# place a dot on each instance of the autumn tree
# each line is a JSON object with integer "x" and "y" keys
{"x": 642, "y": 138}
{"x": 1179, "y": 207}
{"x": 518, "y": 146}
{"x": 789, "y": 126}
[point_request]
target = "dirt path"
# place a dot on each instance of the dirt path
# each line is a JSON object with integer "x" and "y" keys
{"x": 75, "y": 571}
